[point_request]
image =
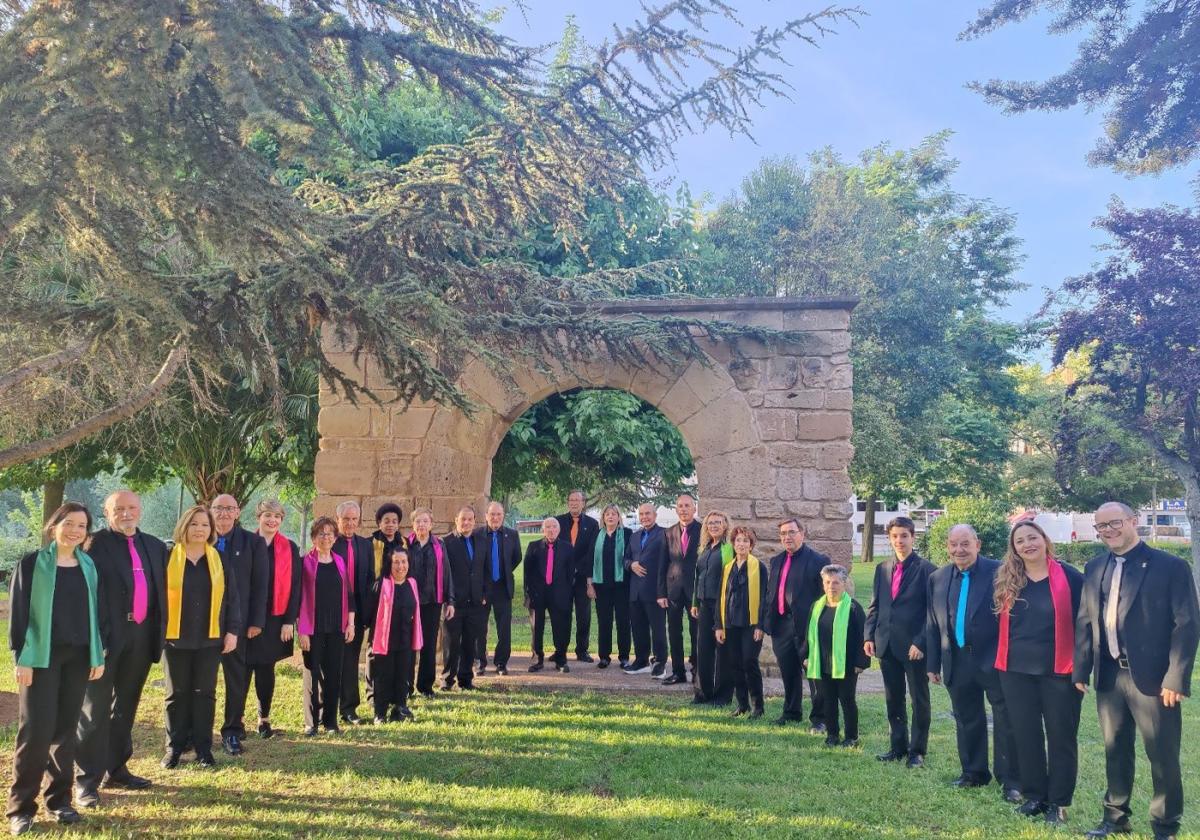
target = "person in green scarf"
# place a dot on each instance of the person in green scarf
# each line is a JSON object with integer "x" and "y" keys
{"x": 57, "y": 632}
{"x": 833, "y": 653}
{"x": 608, "y": 586}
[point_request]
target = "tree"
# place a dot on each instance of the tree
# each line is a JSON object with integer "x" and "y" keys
{"x": 1135, "y": 316}
{"x": 131, "y": 152}
{"x": 989, "y": 518}
{"x": 1140, "y": 60}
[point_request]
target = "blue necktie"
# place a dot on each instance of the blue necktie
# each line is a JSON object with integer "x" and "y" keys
{"x": 495, "y": 556}
{"x": 645, "y": 534}
{"x": 220, "y": 543}
{"x": 470, "y": 551}
{"x": 960, "y": 615}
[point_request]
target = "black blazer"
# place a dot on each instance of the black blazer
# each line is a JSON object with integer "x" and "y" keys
{"x": 588, "y": 529}
{"x": 510, "y": 558}
{"x": 559, "y": 595}
{"x": 803, "y": 588}
{"x": 982, "y": 623}
{"x": 653, "y": 557}
{"x": 855, "y": 655}
{"x": 20, "y": 591}
{"x": 1158, "y": 622}
{"x": 422, "y": 566}
{"x": 267, "y": 648}
{"x": 404, "y": 606}
{"x": 756, "y": 622}
{"x": 898, "y": 625}
{"x": 245, "y": 557}
{"x": 470, "y": 580}
{"x": 364, "y": 573}
{"x": 587, "y": 562}
{"x": 110, "y": 551}
{"x": 677, "y": 577}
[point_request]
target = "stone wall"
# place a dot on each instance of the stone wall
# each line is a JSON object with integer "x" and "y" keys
{"x": 768, "y": 426}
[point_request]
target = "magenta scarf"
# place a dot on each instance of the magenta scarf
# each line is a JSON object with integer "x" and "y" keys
{"x": 440, "y": 556}
{"x": 308, "y": 593}
{"x": 383, "y": 617}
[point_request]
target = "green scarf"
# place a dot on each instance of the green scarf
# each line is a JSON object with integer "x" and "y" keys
{"x": 618, "y": 554}
{"x": 841, "y": 623}
{"x": 36, "y": 651}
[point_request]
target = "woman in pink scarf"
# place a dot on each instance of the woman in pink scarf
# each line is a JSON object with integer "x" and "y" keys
{"x": 396, "y": 632}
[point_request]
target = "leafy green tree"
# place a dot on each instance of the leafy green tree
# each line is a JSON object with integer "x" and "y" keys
{"x": 989, "y": 518}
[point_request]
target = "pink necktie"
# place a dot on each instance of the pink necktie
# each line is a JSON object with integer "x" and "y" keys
{"x": 897, "y": 575}
{"x": 549, "y": 563}
{"x": 683, "y": 541}
{"x": 139, "y": 585}
{"x": 350, "y": 561}
{"x": 437, "y": 559}
{"x": 787, "y": 567}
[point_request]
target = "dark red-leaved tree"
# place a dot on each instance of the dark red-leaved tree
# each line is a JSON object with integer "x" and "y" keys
{"x": 1138, "y": 317}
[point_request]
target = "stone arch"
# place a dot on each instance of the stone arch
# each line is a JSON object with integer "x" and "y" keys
{"x": 768, "y": 426}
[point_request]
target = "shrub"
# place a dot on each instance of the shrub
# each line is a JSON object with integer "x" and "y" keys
{"x": 987, "y": 516}
{"x": 1079, "y": 553}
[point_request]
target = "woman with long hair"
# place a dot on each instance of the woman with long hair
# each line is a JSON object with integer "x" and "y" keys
{"x": 1037, "y": 599}
{"x": 741, "y": 611}
{"x": 274, "y": 643}
{"x": 713, "y": 684}
{"x": 325, "y": 626}
{"x": 609, "y": 587}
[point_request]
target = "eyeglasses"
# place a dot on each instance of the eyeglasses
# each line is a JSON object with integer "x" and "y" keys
{"x": 1110, "y": 525}
{"x": 225, "y": 509}
{"x": 324, "y": 535}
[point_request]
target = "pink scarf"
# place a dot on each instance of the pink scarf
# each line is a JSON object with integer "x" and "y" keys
{"x": 438, "y": 553}
{"x": 383, "y": 617}
{"x": 308, "y": 593}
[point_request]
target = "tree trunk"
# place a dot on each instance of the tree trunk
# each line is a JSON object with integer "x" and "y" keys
{"x": 868, "y": 540}
{"x": 52, "y": 497}
{"x": 1192, "y": 499}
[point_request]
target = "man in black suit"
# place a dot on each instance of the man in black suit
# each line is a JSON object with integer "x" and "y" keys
{"x": 646, "y": 555}
{"x": 502, "y": 547}
{"x": 549, "y": 588}
{"x": 793, "y": 585}
{"x": 960, "y": 652}
{"x": 245, "y": 555}
{"x": 133, "y": 567}
{"x": 359, "y": 556}
{"x": 895, "y": 632}
{"x": 1137, "y": 627}
{"x": 580, "y": 531}
{"x": 467, "y": 558}
{"x": 677, "y": 580}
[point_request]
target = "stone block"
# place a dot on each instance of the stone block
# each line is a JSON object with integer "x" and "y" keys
{"x": 834, "y": 456}
{"x": 794, "y": 455}
{"x": 816, "y": 319}
{"x": 652, "y": 385}
{"x": 776, "y": 423}
{"x": 825, "y": 425}
{"x": 482, "y": 385}
{"x": 828, "y": 529}
{"x": 838, "y": 551}
{"x": 746, "y": 473}
{"x": 367, "y": 444}
{"x": 754, "y": 398}
{"x": 735, "y": 508}
{"x": 344, "y": 421}
{"x": 803, "y": 511}
{"x": 784, "y": 373}
{"x": 839, "y": 400}
{"x": 680, "y": 403}
{"x": 411, "y": 422}
{"x": 345, "y": 472}
{"x": 373, "y": 503}
{"x": 727, "y": 426}
{"x": 826, "y": 485}
{"x": 395, "y": 475}
{"x": 819, "y": 372}
{"x": 837, "y": 510}
{"x": 798, "y": 398}
{"x": 353, "y": 369}
{"x": 708, "y": 382}
{"x": 826, "y": 342}
{"x": 768, "y": 509}
{"x": 747, "y": 374}
{"x": 789, "y": 484}
{"x": 326, "y": 397}
{"x": 407, "y": 446}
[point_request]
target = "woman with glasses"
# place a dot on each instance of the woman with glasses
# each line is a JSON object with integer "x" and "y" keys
{"x": 325, "y": 625}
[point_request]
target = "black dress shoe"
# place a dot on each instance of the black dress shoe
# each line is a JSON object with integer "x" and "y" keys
{"x": 352, "y": 719}
{"x": 265, "y": 731}
{"x": 462, "y": 686}
{"x": 502, "y": 671}
{"x": 87, "y": 798}
{"x": 583, "y": 657}
{"x": 675, "y": 679}
{"x": 818, "y": 729}
{"x": 480, "y": 669}
{"x": 603, "y": 663}
{"x": 832, "y": 741}
{"x": 1056, "y": 815}
{"x": 205, "y": 759}
{"x": 171, "y": 759}
{"x": 564, "y": 668}
{"x": 915, "y": 761}
{"x": 783, "y": 720}
{"x": 310, "y": 731}
{"x": 623, "y": 663}
{"x": 658, "y": 670}
{"x": 67, "y": 815}
{"x": 892, "y": 755}
{"x": 1032, "y": 808}
{"x": 19, "y": 825}
{"x": 128, "y": 781}
{"x": 967, "y": 782}
{"x": 536, "y": 666}
{"x": 331, "y": 730}
{"x": 427, "y": 693}
{"x": 1011, "y": 794}
{"x": 232, "y": 745}
{"x": 850, "y": 743}
{"x": 1107, "y": 829}
{"x": 406, "y": 713}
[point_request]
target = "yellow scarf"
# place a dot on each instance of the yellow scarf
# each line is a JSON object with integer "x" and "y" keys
{"x": 379, "y": 546}
{"x": 752, "y": 569}
{"x": 175, "y": 590}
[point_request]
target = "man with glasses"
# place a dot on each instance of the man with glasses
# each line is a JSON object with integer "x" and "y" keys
{"x": 1138, "y": 628}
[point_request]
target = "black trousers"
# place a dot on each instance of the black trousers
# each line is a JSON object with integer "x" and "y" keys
{"x": 48, "y": 713}
{"x": 583, "y": 618}
{"x": 971, "y": 684}
{"x": 431, "y": 621}
{"x": 351, "y": 656}
{"x": 237, "y": 686}
{"x": 612, "y": 603}
{"x": 835, "y": 693}
{"x": 501, "y": 610}
{"x": 110, "y": 706}
{"x": 743, "y": 658}
{"x": 460, "y": 641}
{"x": 1045, "y": 714}
{"x": 676, "y": 611}
{"x": 1123, "y": 709}
{"x": 191, "y": 706}
{"x": 389, "y": 679}
{"x": 560, "y": 633}
{"x": 714, "y": 674}
{"x": 785, "y": 644}
{"x": 322, "y": 679}
{"x": 649, "y": 624}
{"x": 896, "y": 673}
{"x": 263, "y": 677}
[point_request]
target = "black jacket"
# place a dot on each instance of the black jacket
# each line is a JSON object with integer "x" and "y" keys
{"x": 404, "y": 606}
{"x": 422, "y": 566}
{"x": 677, "y": 577}
{"x": 708, "y": 574}
{"x": 982, "y": 623}
{"x": 381, "y": 557}
{"x": 803, "y": 588}
{"x": 764, "y": 605}
{"x": 267, "y": 648}
{"x": 898, "y": 625}
{"x": 20, "y": 591}
{"x": 110, "y": 551}
{"x": 1158, "y": 622}
{"x": 245, "y": 557}
{"x": 559, "y": 594}
{"x": 364, "y": 573}
{"x": 510, "y": 558}
{"x": 587, "y": 563}
{"x": 856, "y": 657}
{"x": 653, "y": 557}
{"x": 588, "y": 529}
{"x": 470, "y": 580}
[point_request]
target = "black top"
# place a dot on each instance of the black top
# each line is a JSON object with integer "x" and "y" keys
{"x": 69, "y": 619}
{"x": 737, "y": 595}
{"x": 825, "y": 637}
{"x": 194, "y": 613}
{"x": 1031, "y": 630}
{"x": 422, "y": 567}
{"x": 608, "y": 557}
{"x": 328, "y": 614}
{"x": 708, "y": 574}
{"x": 403, "y": 607}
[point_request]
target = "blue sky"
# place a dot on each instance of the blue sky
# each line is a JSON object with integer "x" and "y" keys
{"x": 900, "y": 76}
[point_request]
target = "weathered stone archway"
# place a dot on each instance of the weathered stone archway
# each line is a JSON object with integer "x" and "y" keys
{"x": 768, "y": 427}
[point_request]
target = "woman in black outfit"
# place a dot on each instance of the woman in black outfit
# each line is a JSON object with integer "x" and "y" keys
{"x": 609, "y": 588}
{"x": 714, "y": 683}
{"x": 742, "y": 609}
{"x": 274, "y": 643}
{"x": 1037, "y": 599}
{"x": 833, "y": 653}
{"x": 57, "y": 632}
{"x": 325, "y": 625}
{"x": 428, "y": 566}
{"x": 396, "y": 635}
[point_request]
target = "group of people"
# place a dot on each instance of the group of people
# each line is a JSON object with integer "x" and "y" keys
{"x": 91, "y": 612}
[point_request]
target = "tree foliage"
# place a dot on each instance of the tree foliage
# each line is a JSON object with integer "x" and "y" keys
{"x": 989, "y": 518}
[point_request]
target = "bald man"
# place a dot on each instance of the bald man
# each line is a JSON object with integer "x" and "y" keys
{"x": 503, "y": 554}
{"x": 549, "y": 588}
{"x": 133, "y": 566}
{"x": 646, "y": 555}
{"x": 961, "y": 635}
{"x": 245, "y": 555}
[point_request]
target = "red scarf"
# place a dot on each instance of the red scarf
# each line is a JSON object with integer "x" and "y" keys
{"x": 383, "y": 617}
{"x": 1064, "y": 624}
{"x": 282, "y": 550}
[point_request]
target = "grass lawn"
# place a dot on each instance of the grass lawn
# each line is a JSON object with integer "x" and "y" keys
{"x": 527, "y": 764}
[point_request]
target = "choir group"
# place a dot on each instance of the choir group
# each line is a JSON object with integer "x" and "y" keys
{"x": 91, "y": 612}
